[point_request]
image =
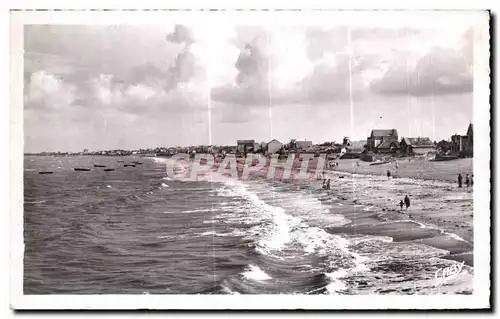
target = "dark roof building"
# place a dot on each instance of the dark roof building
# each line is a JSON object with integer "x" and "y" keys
{"x": 383, "y": 141}
{"x": 416, "y": 145}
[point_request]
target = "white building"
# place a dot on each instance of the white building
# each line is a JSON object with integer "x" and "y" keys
{"x": 273, "y": 146}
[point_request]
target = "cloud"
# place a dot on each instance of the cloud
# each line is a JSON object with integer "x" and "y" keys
{"x": 181, "y": 34}
{"x": 47, "y": 91}
{"x": 441, "y": 71}
{"x": 269, "y": 68}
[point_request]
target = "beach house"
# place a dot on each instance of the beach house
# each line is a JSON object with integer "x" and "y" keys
{"x": 302, "y": 145}
{"x": 383, "y": 141}
{"x": 463, "y": 144}
{"x": 245, "y": 146}
{"x": 273, "y": 146}
{"x": 416, "y": 145}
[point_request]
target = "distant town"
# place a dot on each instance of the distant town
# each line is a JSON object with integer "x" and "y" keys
{"x": 381, "y": 142}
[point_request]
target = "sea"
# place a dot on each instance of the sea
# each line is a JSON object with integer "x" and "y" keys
{"x": 136, "y": 230}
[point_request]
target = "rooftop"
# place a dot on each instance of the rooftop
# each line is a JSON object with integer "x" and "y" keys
{"x": 385, "y": 132}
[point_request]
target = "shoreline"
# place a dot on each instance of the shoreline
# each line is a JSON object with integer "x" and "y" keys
{"x": 437, "y": 203}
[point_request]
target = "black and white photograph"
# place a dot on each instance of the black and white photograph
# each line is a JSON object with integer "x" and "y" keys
{"x": 319, "y": 154}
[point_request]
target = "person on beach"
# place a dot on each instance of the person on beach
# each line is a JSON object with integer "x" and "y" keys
{"x": 388, "y": 173}
{"x": 459, "y": 180}
{"x": 407, "y": 202}
{"x": 472, "y": 180}
{"x": 401, "y": 205}
{"x": 467, "y": 180}
{"x": 324, "y": 184}
{"x": 328, "y": 184}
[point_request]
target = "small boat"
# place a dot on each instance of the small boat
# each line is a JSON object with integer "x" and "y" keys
{"x": 82, "y": 169}
{"x": 109, "y": 169}
{"x": 45, "y": 173}
{"x": 129, "y": 165}
{"x": 445, "y": 157}
{"x": 96, "y": 165}
{"x": 120, "y": 161}
{"x": 379, "y": 163}
{"x": 137, "y": 163}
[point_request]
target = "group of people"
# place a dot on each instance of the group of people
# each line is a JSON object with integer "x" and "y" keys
{"x": 333, "y": 164}
{"x": 469, "y": 181}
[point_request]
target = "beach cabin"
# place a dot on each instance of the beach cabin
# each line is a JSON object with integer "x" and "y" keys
{"x": 302, "y": 145}
{"x": 274, "y": 146}
{"x": 383, "y": 141}
{"x": 463, "y": 144}
{"x": 416, "y": 145}
{"x": 245, "y": 146}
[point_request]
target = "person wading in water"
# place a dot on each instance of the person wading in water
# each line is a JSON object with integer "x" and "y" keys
{"x": 401, "y": 204}
{"x": 467, "y": 180}
{"x": 460, "y": 180}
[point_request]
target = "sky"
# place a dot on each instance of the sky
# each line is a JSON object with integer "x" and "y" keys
{"x": 140, "y": 86}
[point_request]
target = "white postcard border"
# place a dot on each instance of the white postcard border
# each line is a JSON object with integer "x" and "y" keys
{"x": 479, "y": 299}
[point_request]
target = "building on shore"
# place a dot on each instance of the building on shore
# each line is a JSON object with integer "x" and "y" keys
{"x": 245, "y": 146}
{"x": 463, "y": 144}
{"x": 416, "y": 145}
{"x": 302, "y": 145}
{"x": 383, "y": 141}
{"x": 346, "y": 141}
{"x": 257, "y": 147}
{"x": 273, "y": 146}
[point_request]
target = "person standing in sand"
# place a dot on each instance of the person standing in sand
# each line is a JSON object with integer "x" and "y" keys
{"x": 407, "y": 202}
{"x": 401, "y": 205}
{"x": 467, "y": 180}
{"x": 459, "y": 180}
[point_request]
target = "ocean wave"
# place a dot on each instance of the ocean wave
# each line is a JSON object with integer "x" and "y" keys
{"x": 255, "y": 273}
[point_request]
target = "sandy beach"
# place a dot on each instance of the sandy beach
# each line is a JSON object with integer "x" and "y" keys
{"x": 418, "y": 168}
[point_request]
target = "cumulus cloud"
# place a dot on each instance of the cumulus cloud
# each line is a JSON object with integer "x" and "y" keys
{"x": 269, "y": 68}
{"x": 47, "y": 91}
{"x": 278, "y": 66}
{"x": 441, "y": 71}
{"x": 295, "y": 66}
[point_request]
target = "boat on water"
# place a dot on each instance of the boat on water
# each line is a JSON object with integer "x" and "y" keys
{"x": 129, "y": 165}
{"x": 96, "y": 165}
{"x": 120, "y": 161}
{"x": 137, "y": 163}
{"x": 109, "y": 169}
{"x": 45, "y": 173}
{"x": 79, "y": 169}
